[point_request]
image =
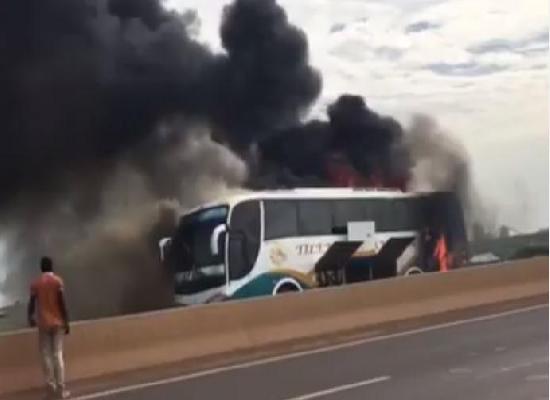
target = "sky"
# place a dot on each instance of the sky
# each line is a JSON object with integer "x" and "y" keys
{"x": 480, "y": 68}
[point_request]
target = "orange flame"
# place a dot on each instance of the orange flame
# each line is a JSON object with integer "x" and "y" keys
{"x": 442, "y": 254}
{"x": 342, "y": 174}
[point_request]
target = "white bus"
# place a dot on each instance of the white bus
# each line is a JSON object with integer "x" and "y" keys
{"x": 266, "y": 243}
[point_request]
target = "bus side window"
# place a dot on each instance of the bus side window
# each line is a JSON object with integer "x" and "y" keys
{"x": 314, "y": 217}
{"x": 244, "y": 238}
{"x": 345, "y": 211}
{"x": 281, "y": 219}
{"x": 405, "y": 214}
{"x": 378, "y": 210}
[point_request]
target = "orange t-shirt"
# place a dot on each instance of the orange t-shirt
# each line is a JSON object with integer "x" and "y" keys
{"x": 46, "y": 290}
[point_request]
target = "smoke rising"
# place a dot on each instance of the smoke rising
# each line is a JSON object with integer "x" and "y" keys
{"x": 99, "y": 102}
{"x": 117, "y": 67}
{"x": 109, "y": 108}
{"x": 355, "y": 147}
{"x": 441, "y": 163}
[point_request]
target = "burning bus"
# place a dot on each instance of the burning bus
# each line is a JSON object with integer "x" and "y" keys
{"x": 272, "y": 242}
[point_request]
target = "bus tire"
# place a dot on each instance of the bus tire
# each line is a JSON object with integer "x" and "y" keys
{"x": 287, "y": 285}
{"x": 414, "y": 270}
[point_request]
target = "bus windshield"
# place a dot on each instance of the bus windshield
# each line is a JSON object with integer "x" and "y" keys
{"x": 191, "y": 248}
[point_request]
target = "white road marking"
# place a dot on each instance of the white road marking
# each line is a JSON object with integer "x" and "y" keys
{"x": 525, "y": 364}
{"x": 460, "y": 371}
{"x": 269, "y": 360}
{"x": 535, "y": 378}
{"x": 338, "y": 389}
{"x": 514, "y": 367}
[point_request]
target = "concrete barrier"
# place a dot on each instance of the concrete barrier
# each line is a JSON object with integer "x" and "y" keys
{"x": 102, "y": 347}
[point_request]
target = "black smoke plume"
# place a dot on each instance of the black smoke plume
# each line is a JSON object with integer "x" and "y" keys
{"x": 355, "y": 147}
{"x": 83, "y": 82}
{"x": 89, "y": 92}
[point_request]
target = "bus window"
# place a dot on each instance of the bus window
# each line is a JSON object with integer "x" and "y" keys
{"x": 345, "y": 211}
{"x": 405, "y": 215}
{"x": 377, "y": 210}
{"x": 391, "y": 215}
{"x": 281, "y": 219}
{"x": 314, "y": 217}
{"x": 190, "y": 248}
{"x": 244, "y": 238}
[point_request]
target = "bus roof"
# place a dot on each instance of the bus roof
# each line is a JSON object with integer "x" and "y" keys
{"x": 308, "y": 193}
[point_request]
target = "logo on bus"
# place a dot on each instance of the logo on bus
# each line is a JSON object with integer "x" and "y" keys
{"x": 277, "y": 256}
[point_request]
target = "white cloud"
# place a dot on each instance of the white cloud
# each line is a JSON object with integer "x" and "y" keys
{"x": 495, "y": 102}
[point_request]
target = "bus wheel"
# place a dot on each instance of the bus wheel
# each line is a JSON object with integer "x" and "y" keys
{"x": 287, "y": 286}
{"x": 412, "y": 271}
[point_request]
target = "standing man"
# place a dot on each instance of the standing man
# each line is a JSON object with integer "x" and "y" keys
{"x": 47, "y": 310}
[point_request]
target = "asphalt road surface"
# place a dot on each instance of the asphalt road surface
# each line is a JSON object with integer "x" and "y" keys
{"x": 501, "y": 356}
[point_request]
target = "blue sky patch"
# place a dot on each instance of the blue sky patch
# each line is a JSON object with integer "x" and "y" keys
{"x": 532, "y": 44}
{"x": 421, "y": 26}
{"x": 465, "y": 69}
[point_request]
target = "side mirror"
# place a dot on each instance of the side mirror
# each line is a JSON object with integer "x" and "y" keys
{"x": 218, "y": 233}
{"x": 164, "y": 246}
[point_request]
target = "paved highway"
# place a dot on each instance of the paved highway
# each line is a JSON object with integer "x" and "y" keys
{"x": 501, "y": 356}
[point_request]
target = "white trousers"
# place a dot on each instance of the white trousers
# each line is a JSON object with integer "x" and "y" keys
{"x": 51, "y": 351}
